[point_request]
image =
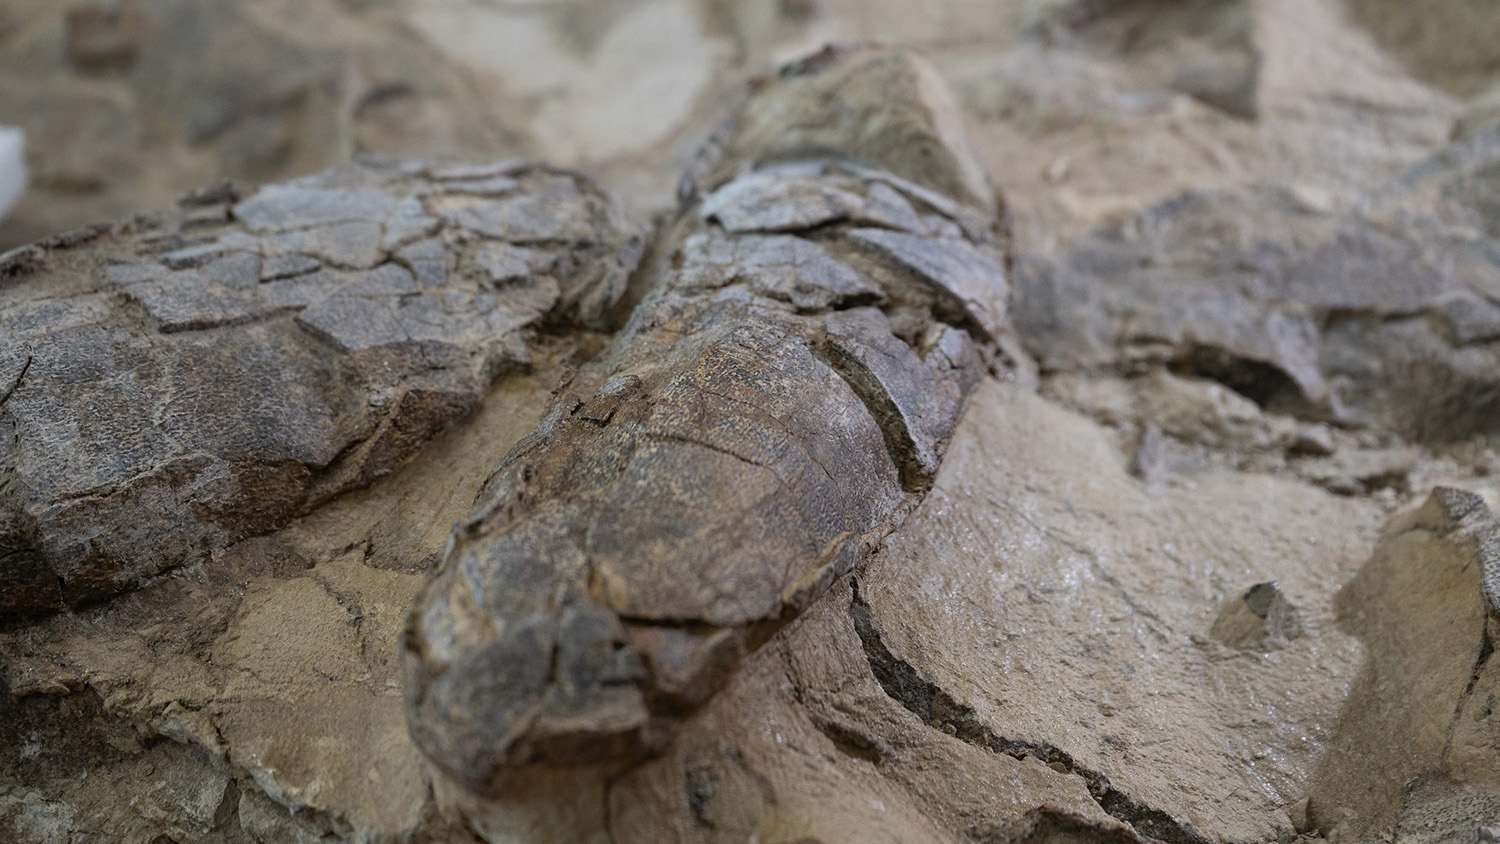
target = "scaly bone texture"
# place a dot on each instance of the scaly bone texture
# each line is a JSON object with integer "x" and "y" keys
{"x": 812, "y": 325}
{"x": 173, "y": 385}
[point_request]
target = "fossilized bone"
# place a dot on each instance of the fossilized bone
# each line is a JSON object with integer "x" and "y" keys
{"x": 828, "y": 297}
{"x": 174, "y": 384}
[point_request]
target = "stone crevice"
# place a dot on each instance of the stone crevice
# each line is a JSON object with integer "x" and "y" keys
{"x": 938, "y": 709}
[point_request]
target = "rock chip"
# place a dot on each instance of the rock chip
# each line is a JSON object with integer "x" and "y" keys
{"x": 960, "y": 272}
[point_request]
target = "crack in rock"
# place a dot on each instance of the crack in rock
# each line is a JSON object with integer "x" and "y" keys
{"x": 940, "y": 710}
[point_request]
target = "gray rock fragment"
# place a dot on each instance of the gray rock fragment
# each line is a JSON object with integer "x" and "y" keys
{"x": 351, "y": 245}
{"x": 502, "y": 263}
{"x": 408, "y": 222}
{"x": 1357, "y": 472}
{"x": 799, "y": 196}
{"x": 193, "y": 256}
{"x": 236, "y": 270}
{"x": 471, "y": 171}
{"x": 427, "y": 259}
{"x": 1313, "y": 440}
{"x": 965, "y": 275}
{"x": 492, "y": 186}
{"x": 1465, "y": 318}
{"x": 915, "y": 405}
{"x": 555, "y": 211}
{"x": 353, "y": 323}
{"x": 1362, "y": 269}
{"x": 778, "y": 200}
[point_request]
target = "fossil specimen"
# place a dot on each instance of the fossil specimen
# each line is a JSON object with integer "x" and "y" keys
{"x": 781, "y": 397}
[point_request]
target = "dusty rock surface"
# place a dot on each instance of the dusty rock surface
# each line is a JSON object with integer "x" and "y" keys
{"x": 1210, "y": 557}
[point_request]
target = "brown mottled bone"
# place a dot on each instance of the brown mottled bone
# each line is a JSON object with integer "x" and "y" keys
{"x": 781, "y": 398}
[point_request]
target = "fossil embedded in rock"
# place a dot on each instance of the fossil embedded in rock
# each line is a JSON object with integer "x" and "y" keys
{"x": 170, "y": 387}
{"x": 1261, "y": 618}
{"x": 780, "y": 399}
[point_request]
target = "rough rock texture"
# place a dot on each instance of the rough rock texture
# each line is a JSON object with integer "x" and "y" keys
{"x": 128, "y": 104}
{"x": 1450, "y": 43}
{"x": 1384, "y": 318}
{"x": 1148, "y": 595}
{"x": 776, "y": 405}
{"x": 175, "y": 385}
{"x": 1426, "y": 606}
{"x": 1059, "y": 671}
{"x": 254, "y": 696}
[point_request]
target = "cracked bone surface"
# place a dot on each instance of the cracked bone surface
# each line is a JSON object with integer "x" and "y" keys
{"x": 781, "y": 398}
{"x": 173, "y": 385}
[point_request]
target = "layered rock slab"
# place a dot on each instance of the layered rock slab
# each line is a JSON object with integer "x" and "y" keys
{"x": 176, "y": 384}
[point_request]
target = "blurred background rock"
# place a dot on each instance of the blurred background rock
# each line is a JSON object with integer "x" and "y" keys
{"x": 1084, "y": 109}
